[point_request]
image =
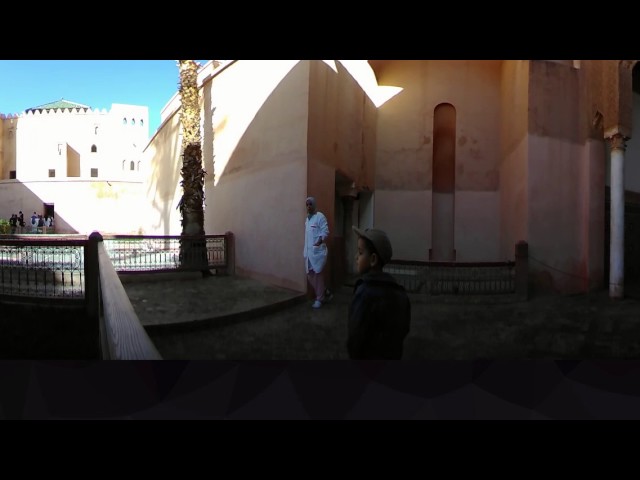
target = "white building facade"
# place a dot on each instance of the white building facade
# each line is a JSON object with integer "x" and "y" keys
{"x": 80, "y": 164}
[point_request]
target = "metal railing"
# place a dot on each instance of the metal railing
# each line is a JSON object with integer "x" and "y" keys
{"x": 28, "y": 230}
{"x": 466, "y": 279}
{"x": 444, "y": 278}
{"x": 144, "y": 253}
{"x": 86, "y": 269}
{"x": 31, "y": 266}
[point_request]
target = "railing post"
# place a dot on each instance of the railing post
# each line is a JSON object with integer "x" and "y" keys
{"x": 92, "y": 276}
{"x": 522, "y": 269}
{"x": 230, "y": 253}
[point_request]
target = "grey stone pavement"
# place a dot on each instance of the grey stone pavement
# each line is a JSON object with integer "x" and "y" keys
{"x": 236, "y": 318}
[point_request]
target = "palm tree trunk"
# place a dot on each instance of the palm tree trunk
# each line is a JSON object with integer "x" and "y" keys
{"x": 193, "y": 249}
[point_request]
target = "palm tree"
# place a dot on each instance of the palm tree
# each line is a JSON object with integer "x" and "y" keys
{"x": 193, "y": 253}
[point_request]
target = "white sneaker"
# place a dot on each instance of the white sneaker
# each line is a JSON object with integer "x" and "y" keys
{"x": 316, "y": 304}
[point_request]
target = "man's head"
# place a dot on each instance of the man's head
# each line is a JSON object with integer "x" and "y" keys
{"x": 311, "y": 205}
{"x": 374, "y": 249}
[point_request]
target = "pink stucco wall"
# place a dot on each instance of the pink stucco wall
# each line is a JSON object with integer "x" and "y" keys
{"x": 341, "y": 148}
{"x": 514, "y": 201}
{"x": 275, "y": 131}
{"x": 529, "y": 161}
{"x": 565, "y": 184}
{"x": 403, "y": 182}
{"x": 4, "y": 165}
{"x": 260, "y": 152}
{"x": 162, "y": 191}
{"x": 632, "y": 154}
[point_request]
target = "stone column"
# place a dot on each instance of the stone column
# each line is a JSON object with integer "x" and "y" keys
{"x": 616, "y": 250}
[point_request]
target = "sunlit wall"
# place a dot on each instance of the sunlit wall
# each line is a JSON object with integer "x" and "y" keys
{"x": 85, "y": 164}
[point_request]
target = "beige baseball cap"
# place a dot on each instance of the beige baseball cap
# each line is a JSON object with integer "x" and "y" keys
{"x": 380, "y": 241}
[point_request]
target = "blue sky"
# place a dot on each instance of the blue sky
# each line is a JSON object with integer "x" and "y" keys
{"x": 97, "y": 83}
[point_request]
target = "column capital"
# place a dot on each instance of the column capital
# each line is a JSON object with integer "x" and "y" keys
{"x": 617, "y": 142}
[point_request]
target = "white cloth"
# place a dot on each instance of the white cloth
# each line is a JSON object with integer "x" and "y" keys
{"x": 314, "y": 228}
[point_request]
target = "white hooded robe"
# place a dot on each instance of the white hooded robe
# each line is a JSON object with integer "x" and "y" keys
{"x": 315, "y": 227}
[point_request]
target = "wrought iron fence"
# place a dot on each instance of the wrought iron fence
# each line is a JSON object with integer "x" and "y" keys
{"x": 453, "y": 278}
{"x": 138, "y": 253}
{"x": 52, "y": 268}
{"x": 76, "y": 266}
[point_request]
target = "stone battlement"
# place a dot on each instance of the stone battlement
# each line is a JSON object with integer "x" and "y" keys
{"x": 56, "y": 111}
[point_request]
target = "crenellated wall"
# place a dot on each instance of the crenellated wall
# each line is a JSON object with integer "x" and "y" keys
{"x": 79, "y": 160}
{"x": 43, "y": 140}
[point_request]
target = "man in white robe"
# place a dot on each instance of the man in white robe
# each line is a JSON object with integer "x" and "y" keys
{"x": 315, "y": 251}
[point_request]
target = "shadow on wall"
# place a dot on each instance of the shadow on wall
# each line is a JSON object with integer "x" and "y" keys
{"x": 254, "y": 146}
{"x": 15, "y": 196}
{"x": 268, "y": 157}
{"x": 165, "y": 176}
{"x": 256, "y": 150}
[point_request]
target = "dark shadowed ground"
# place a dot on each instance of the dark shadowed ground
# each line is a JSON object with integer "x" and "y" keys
{"x": 212, "y": 318}
{"x": 46, "y": 332}
{"x": 235, "y": 318}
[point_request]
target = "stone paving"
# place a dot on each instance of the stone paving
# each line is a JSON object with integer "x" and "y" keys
{"x": 184, "y": 300}
{"x": 242, "y": 319}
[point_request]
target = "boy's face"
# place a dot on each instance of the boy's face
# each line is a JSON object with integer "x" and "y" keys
{"x": 363, "y": 257}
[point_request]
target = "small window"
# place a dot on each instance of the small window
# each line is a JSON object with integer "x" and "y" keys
{"x": 94, "y": 172}
{"x": 96, "y": 130}
{"x": 133, "y": 121}
{"x": 132, "y": 166}
{"x": 52, "y": 172}
{"x": 123, "y": 163}
{"x": 124, "y": 121}
{"x": 138, "y": 165}
{"x": 94, "y": 149}
{"x": 141, "y": 122}
{"x": 12, "y": 174}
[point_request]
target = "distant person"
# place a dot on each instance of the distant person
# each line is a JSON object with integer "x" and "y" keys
{"x": 380, "y": 310}
{"x": 34, "y": 223}
{"x": 13, "y": 222}
{"x": 316, "y": 232}
{"x": 21, "y": 219}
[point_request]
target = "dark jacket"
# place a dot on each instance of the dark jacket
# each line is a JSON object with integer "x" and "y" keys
{"x": 379, "y": 318}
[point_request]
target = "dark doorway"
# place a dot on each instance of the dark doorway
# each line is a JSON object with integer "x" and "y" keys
{"x": 48, "y": 209}
{"x": 631, "y": 237}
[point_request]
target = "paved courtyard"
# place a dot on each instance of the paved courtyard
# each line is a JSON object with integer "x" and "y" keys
{"x": 234, "y": 318}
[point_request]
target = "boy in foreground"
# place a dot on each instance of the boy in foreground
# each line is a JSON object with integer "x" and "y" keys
{"x": 380, "y": 311}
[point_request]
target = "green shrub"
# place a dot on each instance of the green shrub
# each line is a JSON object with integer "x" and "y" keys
{"x": 5, "y": 226}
